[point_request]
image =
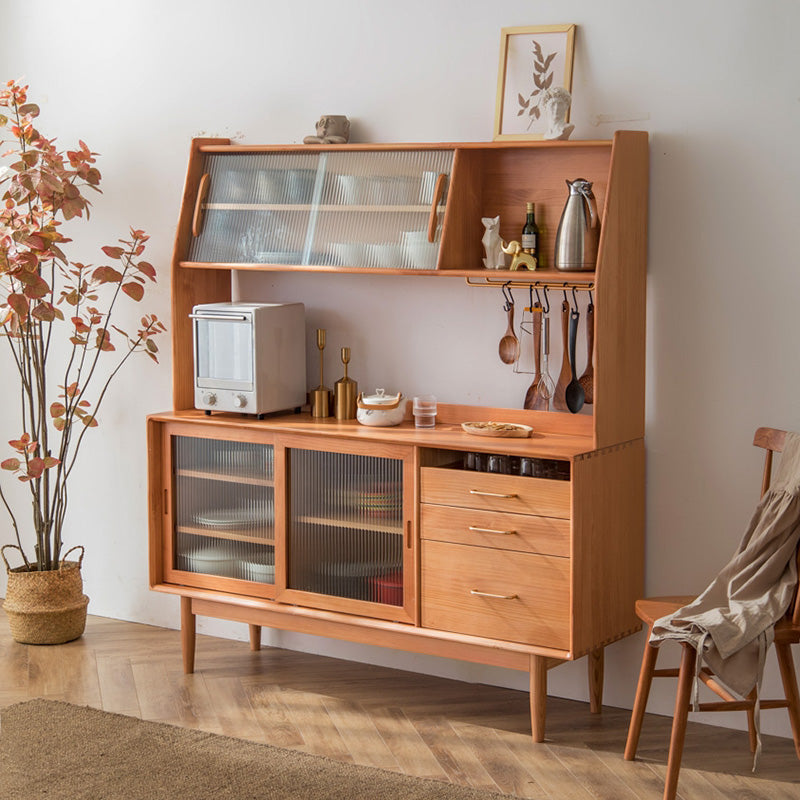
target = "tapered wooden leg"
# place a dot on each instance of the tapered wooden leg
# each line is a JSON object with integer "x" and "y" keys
{"x": 255, "y": 637}
{"x": 640, "y": 704}
{"x": 682, "y": 700}
{"x": 595, "y": 664}
{"x": 187, "y": 634}
{"x": 538, "y": 696}
{"x": 789, "y": 678}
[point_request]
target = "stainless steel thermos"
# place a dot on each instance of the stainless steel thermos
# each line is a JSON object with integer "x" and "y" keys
{"x": 578, "y": 230}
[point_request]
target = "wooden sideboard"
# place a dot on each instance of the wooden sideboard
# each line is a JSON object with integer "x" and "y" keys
{"x": 388, "y": 536}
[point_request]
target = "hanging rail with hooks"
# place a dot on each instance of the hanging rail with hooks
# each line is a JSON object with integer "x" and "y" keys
{"x": 488, "y": 283}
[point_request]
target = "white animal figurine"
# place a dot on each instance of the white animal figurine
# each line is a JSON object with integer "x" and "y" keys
{"x": 556, "y": 101}
{"x": 493, "y": 244}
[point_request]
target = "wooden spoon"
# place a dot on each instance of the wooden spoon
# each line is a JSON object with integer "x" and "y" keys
{"x": 509, "y": 344}
{"x": 530, "y": 395}
{"x": 565, "y": 376}
{"x": 587, "y": 379}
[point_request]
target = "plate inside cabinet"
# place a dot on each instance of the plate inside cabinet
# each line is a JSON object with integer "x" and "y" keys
{"x": 502, "y": 430}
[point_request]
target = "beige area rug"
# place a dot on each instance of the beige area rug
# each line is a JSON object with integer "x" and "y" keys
{"x": 50, "y": 749}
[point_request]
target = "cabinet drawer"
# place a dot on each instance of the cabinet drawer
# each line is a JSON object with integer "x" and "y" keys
{"x": 531, "y": 603}
{"x": 483, "y": 490}
{"x": 496, "y": 529}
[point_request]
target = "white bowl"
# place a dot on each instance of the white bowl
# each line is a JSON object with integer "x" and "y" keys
{"x": 352, "y": 190}
{"x": 420, "y": 253}
{"x": 347, "y": 254}
{"x": 255, "y": 571}
{"x": 210, "y": 561}
{"x": 385, "y": 255}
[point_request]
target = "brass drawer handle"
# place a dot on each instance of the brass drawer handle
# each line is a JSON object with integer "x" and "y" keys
{"x": 490, "y": 530}
{"x": 492, "y": 494}
{"x": 496, "y": 596}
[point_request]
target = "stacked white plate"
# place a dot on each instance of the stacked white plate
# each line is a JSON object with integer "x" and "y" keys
{"x": 259, "y": 515}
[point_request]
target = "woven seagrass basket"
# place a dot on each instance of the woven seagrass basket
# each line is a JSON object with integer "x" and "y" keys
{"x": 46, "y": 607}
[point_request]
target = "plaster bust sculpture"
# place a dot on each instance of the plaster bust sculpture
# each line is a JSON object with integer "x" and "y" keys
{"x": 331, "y": 129}
{"x": 556, "y": 101}
{"x": 493, "y": 244}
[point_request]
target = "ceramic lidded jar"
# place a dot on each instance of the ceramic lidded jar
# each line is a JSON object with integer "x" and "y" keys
{"x": 381, "y": 410}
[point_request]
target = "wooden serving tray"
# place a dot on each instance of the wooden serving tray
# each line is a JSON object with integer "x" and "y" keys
{"x": 500, "y": 430}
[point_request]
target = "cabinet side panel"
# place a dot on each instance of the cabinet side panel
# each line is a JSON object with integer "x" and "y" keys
{"x": 607, "y": 544}
{"x": 190, "y": 286}
{"x": 462, "y": 231}
{"x": 620, "y": 306}
{"x": 156, "y": 486}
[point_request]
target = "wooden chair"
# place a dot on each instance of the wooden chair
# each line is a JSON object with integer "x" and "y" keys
{"x": 787, "y": 632}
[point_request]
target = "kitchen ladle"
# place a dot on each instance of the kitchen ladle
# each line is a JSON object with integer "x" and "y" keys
{"x": 574, "y": 394}
{"x": 587, "y": 379}
{"x": 509, "y": 344}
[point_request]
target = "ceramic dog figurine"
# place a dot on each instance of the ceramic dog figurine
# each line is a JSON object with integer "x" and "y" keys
{"x": 518, "y": 258}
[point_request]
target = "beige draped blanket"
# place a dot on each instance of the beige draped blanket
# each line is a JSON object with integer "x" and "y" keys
{"x": 730, "y": 624}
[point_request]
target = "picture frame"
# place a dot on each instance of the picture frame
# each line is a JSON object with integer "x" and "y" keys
{"x": 532, "y": 59}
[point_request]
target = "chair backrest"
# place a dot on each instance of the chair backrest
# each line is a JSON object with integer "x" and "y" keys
{"x": 773, "y": 441}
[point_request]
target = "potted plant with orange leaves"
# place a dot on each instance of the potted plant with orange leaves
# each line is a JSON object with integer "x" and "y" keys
{"x": 55, "y": 319}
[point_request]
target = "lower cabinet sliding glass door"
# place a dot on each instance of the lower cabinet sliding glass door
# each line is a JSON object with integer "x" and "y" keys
{"x": 222, "y": 514}
{"x": 350, "y": 531}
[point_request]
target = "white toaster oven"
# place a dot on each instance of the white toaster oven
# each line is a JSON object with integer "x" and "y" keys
{"x": 249, "y": 357}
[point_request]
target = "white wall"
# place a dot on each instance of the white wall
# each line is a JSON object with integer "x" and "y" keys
{"x": 713, "y": 82}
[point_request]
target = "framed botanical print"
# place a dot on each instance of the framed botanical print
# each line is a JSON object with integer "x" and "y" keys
{"x": 533, "y": 60}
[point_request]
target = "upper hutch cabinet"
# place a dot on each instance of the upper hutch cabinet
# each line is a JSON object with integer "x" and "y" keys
{"x": 416, "y": 209}
{"x": 343, "y": 209}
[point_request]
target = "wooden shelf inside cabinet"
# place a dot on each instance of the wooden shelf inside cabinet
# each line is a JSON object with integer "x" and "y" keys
{"x": 228, "y": 477}
{"x": 357, "y": 524}
{"x": 234, "y": 535}
{"x": 552, "y": 278}
{"x": 361, "y": 209}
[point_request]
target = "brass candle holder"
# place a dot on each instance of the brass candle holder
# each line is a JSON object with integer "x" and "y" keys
{"x": 345, "y": 392}
{"x": 321, "y": 396}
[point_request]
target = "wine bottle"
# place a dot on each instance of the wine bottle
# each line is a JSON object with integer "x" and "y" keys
{"x": 530, "y": 234}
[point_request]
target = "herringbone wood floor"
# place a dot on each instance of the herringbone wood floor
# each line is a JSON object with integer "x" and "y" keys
{"x": 419, "y": 725}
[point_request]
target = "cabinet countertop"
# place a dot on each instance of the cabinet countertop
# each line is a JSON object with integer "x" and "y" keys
{"x": 543, "y": 443}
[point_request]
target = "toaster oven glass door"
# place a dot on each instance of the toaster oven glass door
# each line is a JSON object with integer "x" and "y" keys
{"x": 224, "y": 351}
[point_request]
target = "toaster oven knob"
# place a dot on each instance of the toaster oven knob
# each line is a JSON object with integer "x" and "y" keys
{"x": 209, "y": 399}
{"x": 240, "y": 401}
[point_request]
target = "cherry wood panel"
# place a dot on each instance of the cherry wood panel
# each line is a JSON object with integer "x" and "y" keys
{"x": 524, "y": 597}
{"x": 549, "y": 440}
{"x": 608, "y": 519}
{"x": 620, "y": 303}
{"x": 190, "y": 286}
{"x": 224, "y": 146}
{"x": 462, "y": 230}
{"x": 530, "y": 534}
{"x": 382, "y": 633}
